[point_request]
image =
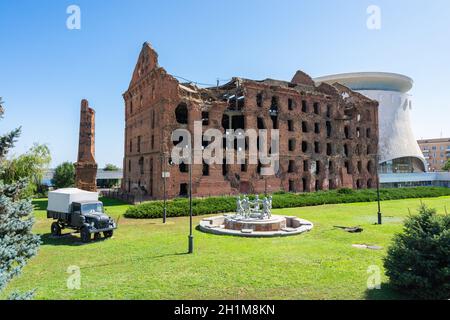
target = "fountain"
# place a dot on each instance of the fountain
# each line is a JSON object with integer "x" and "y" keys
{"x": 253, "y": 218}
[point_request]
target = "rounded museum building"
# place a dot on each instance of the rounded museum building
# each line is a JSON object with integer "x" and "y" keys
{"x": 398, "y": 148}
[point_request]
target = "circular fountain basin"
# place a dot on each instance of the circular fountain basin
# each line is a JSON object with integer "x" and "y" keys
{"x": 276, "y": 226}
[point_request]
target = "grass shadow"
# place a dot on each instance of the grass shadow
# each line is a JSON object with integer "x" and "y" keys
{"x": 68, "y": 239}
{"x": 387, "y": 292}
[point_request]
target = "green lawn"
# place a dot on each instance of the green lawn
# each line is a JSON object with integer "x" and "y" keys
{"x": 147, "y": 260}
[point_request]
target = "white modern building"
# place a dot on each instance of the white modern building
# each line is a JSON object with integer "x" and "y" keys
{"x": 398, "y": 148}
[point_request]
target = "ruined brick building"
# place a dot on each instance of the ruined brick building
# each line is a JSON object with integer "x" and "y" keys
{"x": 328, "y": 133}
{"x": 86, "y": 167}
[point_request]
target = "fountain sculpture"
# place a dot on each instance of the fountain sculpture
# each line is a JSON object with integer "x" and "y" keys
{"x": 253, "y": 218}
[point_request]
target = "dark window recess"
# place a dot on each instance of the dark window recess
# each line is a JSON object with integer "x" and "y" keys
{"x": 306, "y": 166}
{"x": 274, "y": 105}
{"x": 274, "y": 122}
{"x": 317, "y": 128}
{"x": 304, "y": 106}
{"x": 329, "y": 111}
{"x": 368, "y": 133}
{"x": 329, "y": 149}
{"x": 329, "y": 129}
{"x": 131, "y": 145}
{"x": 258, "y": 168}
{"x": 331, "y": 184}
{"x": 304, "y": 127}
{"x": 370, "y": 167}
{"x": 153, "y": 142}
{"x": 181, "y": 113}
{"x": 290, "y": 125}
{"x": 141, "y": 165}
{"x": 259, "y": 100}
{"x": 291, "y": 167}
{"x": 291, "y": 145}
{"x": 244, "y": 167}
{"x": 331, "y": 166}
{"x": 348, "y": 167}
{"x": 305, "y": 185}
{"x": 261, "y": 125}
{"x": 129, "y": 165}
{"x": 316, "y": 147}
{"x": 184, "y": 190}
{"x": 347, "y": 132}
{"x": 139, "y": 144}
{"x": 318, "y": 167}
{"x": 316, "y": 108}
{"x": 290, "y": 104}
{"x": 205, "y": 118}
{"x": 205, "y": 169}
{"x": 291, "y": 186}
{"x": 359, "y": 166}
{"x": 183, "y": 168}
{"x": 304, "y": 146}
{"x": 224, "y": 168}
{"x": 318, "y": 186}
{"x": 346, "y": 150}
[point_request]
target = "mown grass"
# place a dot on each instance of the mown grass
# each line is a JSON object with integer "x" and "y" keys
{"x": 147, "y": 260}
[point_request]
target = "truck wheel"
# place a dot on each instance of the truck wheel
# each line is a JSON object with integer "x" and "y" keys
{"x": 85, "y": 235}
{"x": 108, "y": 234}
{"x": 56, "y": 229}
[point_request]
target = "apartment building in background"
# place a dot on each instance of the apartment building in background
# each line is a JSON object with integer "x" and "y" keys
{"x": 436, "y": 152}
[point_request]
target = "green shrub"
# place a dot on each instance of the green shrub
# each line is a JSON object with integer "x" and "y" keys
{"x": 203, "y": 206}
{"x": 418, "y": 261}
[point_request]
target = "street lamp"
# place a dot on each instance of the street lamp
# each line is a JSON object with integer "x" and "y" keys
{"x": 378, "y": 189}
{"x": 191, "y": 236}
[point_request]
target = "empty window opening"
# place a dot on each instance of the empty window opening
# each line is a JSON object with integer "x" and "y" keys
{"x": 291, "y": 186}
{"x": 184, "y": 190}
{"x": 304, "y": 106}
{"x": 181, "y": 113}
{"x": 290, "y": 125}
{"x": 346, "y": 150}
{"x": 291, "y": 145}
{"x": 224, "y": 168}
{"x": 305, "y": 185}
{"x": 360, "y": 166}
{"x": 261, "y": 125}
{"x": 205, "y": 118}
{"x": 347, "y": 132}
{"x": 290, "y": 104}
{"x": 330, "y": 166}
{"x": 318, "y": 185}
{"x": 141, "y": 165}
{"x": 274, "y": 121}
{"x": 304, "y": 146}
{"x": 368, "y": 133}
{"x": 329, "y": 129}
{"x": 316, "y": 108}
{"x": 259, "y": 100}
{"x": 183, "y": 168}
{"x": 139, "y": 144}
{"x": 306, "y": 166}
{"x": 316, "y": 147}
{"x": 329, "y": 149}
{"x": 205, "y": 169}
{"x": 318, "y": 167}
{"x": 274, "y": 105}
{"x": 329, "y": 111}
{"x": 317, "y": 128}
{"x": 291, "y": 167}
{"x": 304, "y": 127}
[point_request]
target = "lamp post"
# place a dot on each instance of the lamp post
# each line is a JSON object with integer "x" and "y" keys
{"x": 378, "y": 189}
{"x": 191, "y": 236}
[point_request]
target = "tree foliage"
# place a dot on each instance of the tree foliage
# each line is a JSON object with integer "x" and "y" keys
{"x": 17, "y": 242}
{"x": 418, "y": 261}
{"x": 111, "y": 167}
{"x": 64, "y": 176}
{"x": 446, "y": 166}
{"x": 31, "y": 166}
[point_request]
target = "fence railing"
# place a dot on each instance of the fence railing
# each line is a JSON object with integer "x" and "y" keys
{"x": 123, "y": 196}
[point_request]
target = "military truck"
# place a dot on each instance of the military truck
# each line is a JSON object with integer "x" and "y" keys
{"x": 80, "y": 211}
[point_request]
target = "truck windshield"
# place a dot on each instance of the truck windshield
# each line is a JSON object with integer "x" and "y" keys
{"x": 92, "y": 208}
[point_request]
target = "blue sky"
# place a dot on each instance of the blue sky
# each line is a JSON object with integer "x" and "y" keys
{"x": 47, "y": 69}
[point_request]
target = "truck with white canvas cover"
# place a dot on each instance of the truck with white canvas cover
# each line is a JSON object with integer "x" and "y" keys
{"x": 78, "y": 210}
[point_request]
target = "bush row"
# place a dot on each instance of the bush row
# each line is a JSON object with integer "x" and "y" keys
{"x": 205, "y": 206}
